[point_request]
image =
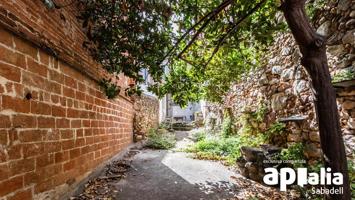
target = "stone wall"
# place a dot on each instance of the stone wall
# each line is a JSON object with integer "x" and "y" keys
{"x": 56, "y": 125}
{"x": 146, "y": 116}
{"x": 285, "y": 88}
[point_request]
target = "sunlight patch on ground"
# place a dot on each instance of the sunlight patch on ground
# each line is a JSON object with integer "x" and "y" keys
{"x": 208, "y": 176}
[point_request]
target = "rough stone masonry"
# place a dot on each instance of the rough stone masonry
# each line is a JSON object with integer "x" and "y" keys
{"x": 283, "y": 85}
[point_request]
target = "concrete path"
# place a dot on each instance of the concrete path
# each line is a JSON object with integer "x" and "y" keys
{"x": 172, "y": 175}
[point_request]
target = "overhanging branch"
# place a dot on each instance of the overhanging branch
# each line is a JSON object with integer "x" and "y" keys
{"x": 233, "y": 28}
{"x": 209, "y": 16}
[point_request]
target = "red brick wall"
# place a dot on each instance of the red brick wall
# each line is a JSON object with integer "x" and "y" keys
{"x": 58, "y": 31}
{"x": 66, "y": 126}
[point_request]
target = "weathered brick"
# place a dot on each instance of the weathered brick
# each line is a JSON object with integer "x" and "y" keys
{"x": 43, "y": 186}
{"x": 71, "y": 101}
{"x": 31, "y": 177}
{"x": 5, "y": 121}
{"x": 51, "y": 147}
{"x": 56, "y": 76}
{"x": 66, "y": 134}
{"x": 9, "y": 87}
{"x": 36, "y": 67}
{"x": 32, "y": 149}
{"x": 75, "y": 123}
{"x": 68, "y": 92}
{"x": 70, "y": 82}
{"x": 44, "y": 160}
{"x": 2, "y": 89}
{"x": 72, "y": 113}
{"x": 79, "y": 142}
{"x": 61, "y": 156}
{"x": 82, "y": 87}
{"x": 10, "y": 72}
{"x": 12, "y": 57}
{"x": 16, "y": 104}
{"x": 58, "y": 111}
{"x": 24, "y": 121}
{"x": 68, "y": 144}
{"x": 62, "y": 123}
{"x": 80, "y": 95}
{"x": 4, "y": 171}
{"x": 26, "y": 48}
{"x": 33, "y": 80}
{"x": 40, "y": 108}
{"x": 52, "y": 170}
{"x": 88, "y": 132}
{"x": 44, "y": 58}
{"x": 55, "y": 98}
{"x": 46, "y": 122}
{"x": 11, "y": 185}
{"x": 6, "y": 38}
{"x": 52, "y": 134}
{"x": 19, "y": 90}
{"x": 74, "y": 153}
{"x": 3, "y": 137}
{"x": 31, "y": 135}
{"x": 69, "y": 165}
{"x": 22, "y": 166}
{"x": 21, "y": 195}
{"x": 55, "y": 88}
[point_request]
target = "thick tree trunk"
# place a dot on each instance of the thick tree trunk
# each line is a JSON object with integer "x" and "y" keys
{"x": 312, "y": 47}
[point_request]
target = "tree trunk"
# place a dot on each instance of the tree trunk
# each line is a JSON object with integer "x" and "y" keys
{"x": 314, "y": 59}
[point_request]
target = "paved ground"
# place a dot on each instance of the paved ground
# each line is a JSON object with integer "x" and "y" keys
{"x": 172, "y": 175}
{"x": 145, "y": 174}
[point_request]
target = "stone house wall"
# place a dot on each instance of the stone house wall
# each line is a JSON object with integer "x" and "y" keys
{"x": 146, "y": 116}
{"x": 56, "y": 125}
{"x": 283, "y": 85}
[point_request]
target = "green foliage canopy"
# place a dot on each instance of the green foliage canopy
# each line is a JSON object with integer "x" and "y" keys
{"x": 206, "y": 44}
{"x": 216, "y": 54}
{"x": 129, "y": 35}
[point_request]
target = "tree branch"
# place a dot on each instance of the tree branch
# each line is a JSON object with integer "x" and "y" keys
{"x": 234, "y": 27}
{"x": 210, "y": 14}
{"x": 295, "y": 9}
{"x": 204, "y": 25}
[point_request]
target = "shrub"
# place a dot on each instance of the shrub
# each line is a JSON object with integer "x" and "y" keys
{"x": 198, "y": 136}
{"x": 351, "y": 170}
{"x": 220, "y": 148}
{"x": 165, "y": 125}
{"x": 294, "y": 153}
{"x": 275, "y": 130}
{"x": 228, "y": 128}
{"x": 158, "y": 139}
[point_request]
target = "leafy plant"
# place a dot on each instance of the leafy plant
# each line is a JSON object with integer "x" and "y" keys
{"x": 294, "y": 153}
{"x": 275, "y": 130}
{"x": 343, "y": 76}
{"x": 220, "y": 148}
{"x": 111, "y": 89}
{"x": 260, "y": 113}
{"x": 198, "y": 136}
{"x": 159, "y": 139}
{"x": 314, "y": 7}
{"x": 164, "y": 125}
{"x": 316, "y": 167}
{"x": 228, "y": 124}
{"x": 351, "y": 170}
{"x": 128, "y": 36}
